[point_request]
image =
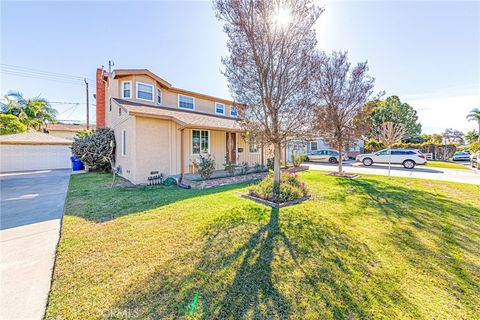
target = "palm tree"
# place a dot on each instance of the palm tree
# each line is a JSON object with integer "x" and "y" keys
{"x": 474, "y": 115}
{"x": 34, "y": 113}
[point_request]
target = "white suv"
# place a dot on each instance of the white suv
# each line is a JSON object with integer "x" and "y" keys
{"x": 407, "y": 157}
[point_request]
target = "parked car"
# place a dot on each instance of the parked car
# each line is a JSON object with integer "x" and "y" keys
{"x": 475, "y": 160}
{"x": 325, "y": 155}
{"x": 407, "y": 157}
{"x": 461, "y": 156}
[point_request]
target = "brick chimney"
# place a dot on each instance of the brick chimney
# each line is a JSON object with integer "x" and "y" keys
{"x": 100, "y": 115}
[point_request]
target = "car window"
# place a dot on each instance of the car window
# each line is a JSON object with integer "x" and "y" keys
{"x": 384, "y": 152}
{"x": 397, "y": 152}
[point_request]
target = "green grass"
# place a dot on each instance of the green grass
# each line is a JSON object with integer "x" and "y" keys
{"x": 369, "y": 248}
{"x": 445, "y": 164}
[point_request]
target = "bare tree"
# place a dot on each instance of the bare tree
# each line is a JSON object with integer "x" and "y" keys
{"x": 390, "y": 133}
{"x": 342, "y": 92}
{"x": 451, "y": 136}
{"x": 269, "y": 69}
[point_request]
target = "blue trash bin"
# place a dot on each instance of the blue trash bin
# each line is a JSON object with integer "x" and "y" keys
{"x": 77, "y": 164}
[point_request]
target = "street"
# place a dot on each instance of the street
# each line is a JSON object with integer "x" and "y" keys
{"x": 422, "y": 172}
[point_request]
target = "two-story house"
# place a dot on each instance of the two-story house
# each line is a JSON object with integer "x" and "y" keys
{"x": 163, "y": 129}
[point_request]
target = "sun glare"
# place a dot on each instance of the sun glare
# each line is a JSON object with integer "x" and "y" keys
{"x": 282, "y": 17}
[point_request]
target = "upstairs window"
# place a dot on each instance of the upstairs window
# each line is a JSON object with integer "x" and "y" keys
{"x": 159, "y": 96}
{"x": 313, "y": 145}
{"x": 219, "y": 108}
{"x": 200, "y": 141}
{"x": 127, "y": 89}
{"x": 144, "y": 91}
{"x": 233, "y": 111}
{"x": 186, "y": 102}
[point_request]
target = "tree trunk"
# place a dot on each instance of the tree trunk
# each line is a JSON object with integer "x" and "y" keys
{"x": 276, "y": 162}
{"x": 340, "y": 159}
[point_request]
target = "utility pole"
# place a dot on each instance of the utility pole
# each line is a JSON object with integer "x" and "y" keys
{"x": 88, "y": 112}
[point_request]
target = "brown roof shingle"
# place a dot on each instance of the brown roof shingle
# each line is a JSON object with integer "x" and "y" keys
{"x": 34, "y": 138}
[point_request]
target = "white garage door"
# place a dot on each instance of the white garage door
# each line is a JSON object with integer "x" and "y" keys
{"x": 34, "y": 157}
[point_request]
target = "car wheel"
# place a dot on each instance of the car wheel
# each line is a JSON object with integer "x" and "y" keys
{"x": 367, "y": 162}
{"x": 409, "y": 164}
{"x": 332, "y": 160}
{"x": 307, "y": 159}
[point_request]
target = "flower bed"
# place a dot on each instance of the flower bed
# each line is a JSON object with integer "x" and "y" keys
{"x": 289, "y": 191}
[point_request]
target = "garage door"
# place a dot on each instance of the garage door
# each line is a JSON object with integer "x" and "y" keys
{"x": 34, "y": 157}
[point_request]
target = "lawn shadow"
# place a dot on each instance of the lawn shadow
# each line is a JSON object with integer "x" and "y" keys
{"x": 419, "y": 217}
{"x": 91, "y": 198}
{"x": 269, "y": 270}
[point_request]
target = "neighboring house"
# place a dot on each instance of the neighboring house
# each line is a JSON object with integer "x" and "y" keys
{"x": 160, "y": 129}
{"x": 66, "y": 130}
{"x": 304, "y": 147}
{"x": 33, "y": 151}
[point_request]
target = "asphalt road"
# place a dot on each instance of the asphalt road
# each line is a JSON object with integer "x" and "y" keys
{"x": 443, "y": 174}
{"x": 30, "y": 219}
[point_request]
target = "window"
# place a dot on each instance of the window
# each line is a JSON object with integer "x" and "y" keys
{"x": 124, "y": 142}
{"x": 219, "y": 108}
{"x": 186, "y": 102}
{"x": 144, "y": 91}
{"x": 233, "y": 111}
{"x": 384, "y": 152}
{"x": 126, "y": 89}
{"x": 159, "y": 96}
{"x": 200, "y": 141}
{"x": 110, "y": 106}
{"x": 119, "y": 111}
{"x": 253, "y": 147}
{"x": 313, "y": 145}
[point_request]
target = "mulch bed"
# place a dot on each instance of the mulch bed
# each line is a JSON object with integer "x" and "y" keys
{"x": 295, "y": 169}
{"x": 226, "y": 180}
{"x": 273, "y": 204}
{"x": 344, "y": 175}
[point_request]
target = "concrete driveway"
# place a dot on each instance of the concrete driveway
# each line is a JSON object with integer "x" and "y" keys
{"x": 443, "y": 174}
{"x": 30, "y": 219}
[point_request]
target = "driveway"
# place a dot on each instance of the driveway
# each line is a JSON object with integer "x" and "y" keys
{"x": 422, "y": 172}
{"x": 30, "y": 219}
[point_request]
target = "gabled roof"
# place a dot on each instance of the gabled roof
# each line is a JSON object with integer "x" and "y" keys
{"x": 127, "y": 72}
{"x": 185, "y": 118}
{"x": 33, "y": 138}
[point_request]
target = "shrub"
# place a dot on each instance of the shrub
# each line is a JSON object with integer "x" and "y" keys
{"x": 205, "y": 166}
{"x": 84, "y": 133}
{"x": 245, "y": 167}
{"x": 270, "y": 163}
{"x": 298, "y": 160}
{"x": 9, "y": 124}
{"x": 96, "y": 150}
{"x": 474, "y": 147}
{"x": 289, "y": 188}
{"x": 257, "y": 167}
{"x": 229, "y": 166}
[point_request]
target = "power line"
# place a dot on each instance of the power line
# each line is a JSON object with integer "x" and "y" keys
{"x": 38, "y": 71}
{"x": 42, "y": 78}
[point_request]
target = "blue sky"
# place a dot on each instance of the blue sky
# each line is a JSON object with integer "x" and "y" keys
{"x": 425, "y": 52}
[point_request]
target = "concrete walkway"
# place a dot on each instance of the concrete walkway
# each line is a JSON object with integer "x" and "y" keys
{"x": 443, "y": 174}
{"x": 30, "y": 219}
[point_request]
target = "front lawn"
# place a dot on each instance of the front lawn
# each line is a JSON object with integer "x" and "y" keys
{"x": 446, "y": 164}
{"x": 367, "y": 248}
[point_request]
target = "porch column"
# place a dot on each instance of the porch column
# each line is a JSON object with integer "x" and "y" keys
{"x": 263, "y": 155}
{"x": 182, "y": 160}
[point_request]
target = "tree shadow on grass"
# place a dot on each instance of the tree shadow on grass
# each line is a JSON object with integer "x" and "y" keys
{"x": 286, "y": 267}
{"x": 91, "y": 198}
{"x": 419, "y": 217}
